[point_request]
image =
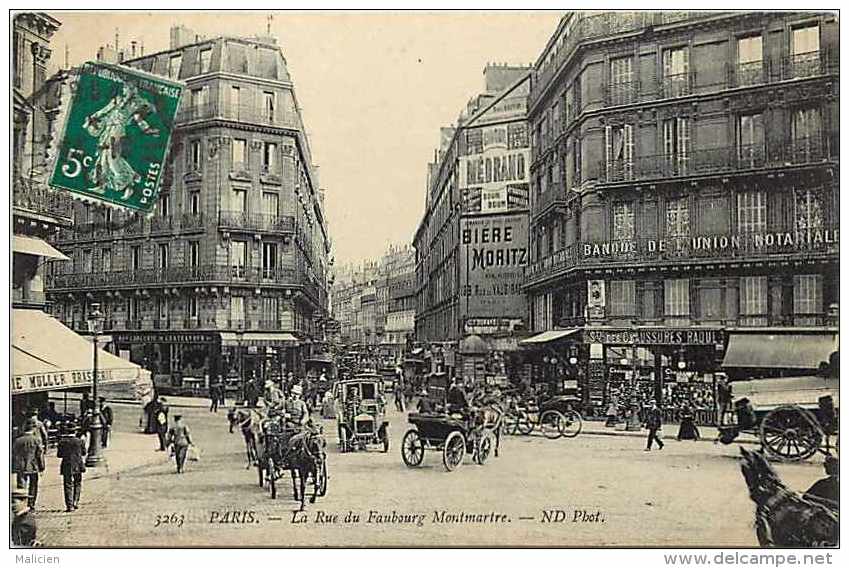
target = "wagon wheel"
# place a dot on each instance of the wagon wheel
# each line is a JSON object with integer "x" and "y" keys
{"x": 551, "y": 423}
{"x": 484, "y": 447}
{"x": 321, "y": 477}
{"x": 572, "y": 424}
{"x": 412, "y": 449}
{"x": 272, "y": 479}
{"x": 790, "y": 433}
{"x": 524, "y": 424}
{"x": 454, "y": 450}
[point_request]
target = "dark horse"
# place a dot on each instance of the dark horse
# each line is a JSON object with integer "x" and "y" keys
{"x": 306, "y": 458}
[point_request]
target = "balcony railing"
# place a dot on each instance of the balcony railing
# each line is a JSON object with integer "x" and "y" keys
{"x": 751, "y": 73}
{"x": 133, "y": 226}
{"x": 742, "y": 246}
{"x": 240, "y": 113}
{"x": 622, "y": 93}
{"x": 41, "y": 200}
{"x": 677, "y": 85}
{"x": 239, "y": 220}
{"x": 207, "y": 274}
{"x": 803, "y": 65}
{"x": 722, "y": 159}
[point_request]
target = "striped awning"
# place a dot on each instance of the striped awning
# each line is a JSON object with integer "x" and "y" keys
{"x": 548, "y": 336}
{"x": 35, "y": 247}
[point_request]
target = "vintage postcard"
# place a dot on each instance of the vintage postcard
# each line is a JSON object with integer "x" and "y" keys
{"x": 423, "y": 279}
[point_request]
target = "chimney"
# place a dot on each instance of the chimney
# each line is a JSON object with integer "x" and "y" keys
{"x": 117, "y": 47}
{"x": 133, "y": 49}
{"x": 142, "y": 47}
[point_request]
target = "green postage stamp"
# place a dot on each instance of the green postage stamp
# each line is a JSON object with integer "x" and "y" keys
{"x": 115, "y": 141}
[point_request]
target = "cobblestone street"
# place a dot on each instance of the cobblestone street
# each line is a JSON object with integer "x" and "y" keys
{"x": 643, "y": 498}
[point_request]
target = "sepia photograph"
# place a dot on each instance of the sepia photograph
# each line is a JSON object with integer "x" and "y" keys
{"x": 423, "y": 279}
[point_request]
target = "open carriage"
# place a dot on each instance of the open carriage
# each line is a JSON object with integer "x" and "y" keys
{"x": 452, "y": 434}
{"x": 794, "y": 417}
{"x": 274, "y": 459}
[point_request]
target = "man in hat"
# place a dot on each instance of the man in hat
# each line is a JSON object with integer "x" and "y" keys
{"x": 654, "y": 420}
{"x": 180, "y": 437}
{"x": 106, "y": 418}
{"x": 40, "y": 428}
{"x": 296, "y": 407}
{"x": 23, "y": 521}
{"x": 214, "y": 397}
{"x": 828, "y": 487}
{"x": 28, "y": 460}
{"x": 161, "y": 423}
{"x": 71, "y": 451}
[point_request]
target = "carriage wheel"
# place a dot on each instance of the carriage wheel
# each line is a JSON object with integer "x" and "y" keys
{"x": 272, "y": 479}
{"x": 572, "y": 424}
{"x": 454, "y": 450}
{"x": 321, "y": 477}
{"x": 412, "y": 449}
{"x": 524, "y": 424}
{"x": 790, "y": 433}
{"x": 551, "y": 423}
{"x": 484, "y": 448}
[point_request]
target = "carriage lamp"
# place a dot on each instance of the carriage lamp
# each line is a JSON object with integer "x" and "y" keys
{"x": 95, "y": 457}
{"x": 573, "y": 360}
{"x": 623, "y": 361}
{"x": 682, "y": 365}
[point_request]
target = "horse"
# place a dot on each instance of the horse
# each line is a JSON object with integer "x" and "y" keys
{"x": 306, "y": 458}
{"x": 250, "y": 423}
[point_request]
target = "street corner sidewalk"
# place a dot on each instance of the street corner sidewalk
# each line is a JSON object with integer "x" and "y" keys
{"x": 669, "y": 432}
{"x": 171, "y": 401}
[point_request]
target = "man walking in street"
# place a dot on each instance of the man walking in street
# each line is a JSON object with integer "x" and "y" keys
{"x": 28, "y": 461}
{"x": 161, "y": 421}
{"x": 106, "y": 418}
{"x": 180, "y": 437}
{"x": 71, "y": 451}
{"x": 654, "y": 421}
{"x": 214, "y": 397}
{"x": 23, "y": 521}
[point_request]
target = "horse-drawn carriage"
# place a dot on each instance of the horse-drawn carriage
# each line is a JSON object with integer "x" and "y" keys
{"x": 454, "y": 434}
{"x": 361, "y": 413}
{"x": 793, "y": 417}
{"x": 282, "y": 447}
{"x": 555, "y": 416}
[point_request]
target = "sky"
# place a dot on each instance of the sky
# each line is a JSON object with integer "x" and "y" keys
{"x": 374, "y": 87}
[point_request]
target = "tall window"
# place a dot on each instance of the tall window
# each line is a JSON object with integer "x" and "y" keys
{"x": 623, "y": 298}
{"x": 749, "y": 60}
{"x": 623, "y": 221}
{"x": 192, "y": 307}
{"x": 676, "y": 72}
{"x": 268, "y": 106}
{"x": 162, "y": 308}
{"x": 106, "y": 259}
{"x": 621, "y": 81}
{"x": 807, "y": 204}
{"x": 194, "y": 202}
{"x": 676, "y": 297}
{"x": 135, "y": 257}
{"x": 619, "y": 152}
{"x": 204, "y": 59}
{"x": 750, "y": 140}
{"x": 164, "y": 204}
{"x": 132, "y": 308}
{"x": 235, "y": 102}
{"x": 753, "y": 300}
{"x": 194, "y": 156}
{"x": 751, "y": 211}
{"x": 270, "y": 204}
{"x": 174, "y": 66}
{"x": 269, "y": 158}
{"x": 676, "y": 145}
{"x": 239, "y": 200}
{"x": 270, "y": 312}
{"x": 194, "y": 253}
{"x": 163, "y": 255}
{"x": 87, "y": 261}
{"x": 269, "y": 259}
{"x": 237, "y": 310}
{"x": 805, "y": 48}
{"x": 678, "y": 217}
{"x": 238, "y": 258}
{"x": 806, "y": 134}
{"x": 807, "y": 294}
{"x": 239, "y": 154}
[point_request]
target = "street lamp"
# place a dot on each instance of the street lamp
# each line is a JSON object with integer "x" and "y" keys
{"x": 95, "y": 456}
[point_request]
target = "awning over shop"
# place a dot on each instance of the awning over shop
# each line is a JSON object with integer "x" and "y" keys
{"x": 36, "y": 247}
{"x": 231, "y": 339}
{"x": 46, "y": 356}
{"x": 548, "y": 336}
{"x": 779, "y": 351}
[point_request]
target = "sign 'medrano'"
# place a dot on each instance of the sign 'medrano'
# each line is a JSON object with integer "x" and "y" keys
{"x": 116, "y": 136}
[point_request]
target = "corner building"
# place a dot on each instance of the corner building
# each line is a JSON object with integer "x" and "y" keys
{"x": 684, "y": 197}
{"x": 229, "y": 275}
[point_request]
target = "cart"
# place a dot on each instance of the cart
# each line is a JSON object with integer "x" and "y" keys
{"x": 361, "y": 413}
{"x": 794, "y": 417}
{"x": 555, "y": 417}
{"x": 272, "y": 463}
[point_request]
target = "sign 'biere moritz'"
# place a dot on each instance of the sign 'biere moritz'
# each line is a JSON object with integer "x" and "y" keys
{"x": 116, "y": 136}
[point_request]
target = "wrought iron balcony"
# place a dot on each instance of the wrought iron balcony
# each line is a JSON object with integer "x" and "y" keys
{"x": 747, "y": 74}
{"x": 37, "y": 198}
{"x": 677, "y": 85}
{"x": 206, "y": 274}
{"x": 240, "y": 220}
{"x": 622, "y": 93}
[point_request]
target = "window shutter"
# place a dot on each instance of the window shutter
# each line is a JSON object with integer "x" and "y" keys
{"x": 629, "y": 151}
{"x": 608, "y": 151}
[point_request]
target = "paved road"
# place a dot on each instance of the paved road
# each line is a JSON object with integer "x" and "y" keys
{"x": 689, "y": 494}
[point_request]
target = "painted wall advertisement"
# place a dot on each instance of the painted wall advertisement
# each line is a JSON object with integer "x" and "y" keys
{"x": 494, "y": 171}
{"x": 493, "y": 253}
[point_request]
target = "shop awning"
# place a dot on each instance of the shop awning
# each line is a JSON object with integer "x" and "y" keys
{"x": 779, "y": 351}
{"x": 46, "y": 356}
{"x": 231, "y": 339}
{"x": 548, "y": 336}
{"x": 35, "y": 247}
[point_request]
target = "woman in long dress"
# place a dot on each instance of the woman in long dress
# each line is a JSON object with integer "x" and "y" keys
{"x": 687, "y": 429}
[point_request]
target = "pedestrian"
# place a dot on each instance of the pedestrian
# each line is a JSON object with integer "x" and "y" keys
{"x": 723, "y": 399}
{"x": 829, "y": 487}
{"x": 106, "y": 419}
{"x": 180, "y": 438}
{"x": 213, "y": 397}
{"x": 222, "y": 391}
{"x": 687, "y": 429}
{"x": 84, "y": 404}
{"x": 654, "y": 421}
{"x": 40, "y": 428}
{"x": 28, "y": 460}
{"x": 612, "y": 410}
{"x": 24, "y": 527}
{"x": 161, "y": 423}
{"x": 71, "y": 451}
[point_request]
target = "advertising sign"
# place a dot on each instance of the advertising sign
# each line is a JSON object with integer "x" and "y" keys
{"x": 595, "y": 294}
{"x": 493, "y": 252}
{"x": 116, "y": 136}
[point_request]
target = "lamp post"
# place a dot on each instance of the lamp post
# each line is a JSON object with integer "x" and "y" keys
{"x": 633, "y": 423}
{"x": 95, "y": 457}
